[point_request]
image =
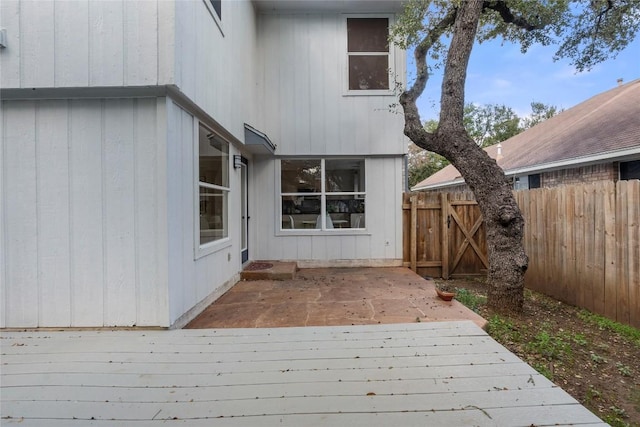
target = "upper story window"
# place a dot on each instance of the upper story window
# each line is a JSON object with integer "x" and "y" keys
{"x": 217, "y": 7}
{"x": 368, "y": 53}
{"x": 213, "y": 185}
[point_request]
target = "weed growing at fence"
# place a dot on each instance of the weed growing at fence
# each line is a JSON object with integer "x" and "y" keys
{"x": 603, "y": 323}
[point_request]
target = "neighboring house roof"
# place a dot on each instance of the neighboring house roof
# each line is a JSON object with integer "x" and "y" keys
{"x": 603, "y": 128}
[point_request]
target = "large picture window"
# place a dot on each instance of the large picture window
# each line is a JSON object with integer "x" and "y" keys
{"x": 322, "y": 194}
{"x": 368, "y": 53}
{"x": 213, "y": 186}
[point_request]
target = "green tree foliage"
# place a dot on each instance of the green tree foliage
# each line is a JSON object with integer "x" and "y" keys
{"x": 486, "y": 125}
{"x": 539, "y": 113}
{"x": 423, "y": 164}
{"x": 490, "y": 124}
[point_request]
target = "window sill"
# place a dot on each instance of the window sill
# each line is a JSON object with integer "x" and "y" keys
{"x": 316, "y": 232}
{"x": 212, "y": 247}
{"x": 368, "y": 93}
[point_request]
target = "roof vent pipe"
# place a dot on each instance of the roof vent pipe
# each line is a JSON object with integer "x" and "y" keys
{"x": 499, "y": 155}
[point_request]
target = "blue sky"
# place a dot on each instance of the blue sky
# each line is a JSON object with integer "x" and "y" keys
{"x": 501, "y": 74}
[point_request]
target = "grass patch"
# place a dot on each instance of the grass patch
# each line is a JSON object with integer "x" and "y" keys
{"x": 554, "y": 347}
{"x": 629, "y": 332}
{"x": 503, "y": 330}
{"x": 470, "y": 299}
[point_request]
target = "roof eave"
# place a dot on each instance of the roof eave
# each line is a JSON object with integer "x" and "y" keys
{"x": 625, "y": 154}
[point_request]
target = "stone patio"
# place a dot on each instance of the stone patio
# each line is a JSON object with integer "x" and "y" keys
{"x": 333, "y": 297}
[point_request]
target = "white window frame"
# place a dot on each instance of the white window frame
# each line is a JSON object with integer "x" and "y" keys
{"x": 391, "y": 54}
{"x": 360, "y": 195}
{"x": 201, "y": 250}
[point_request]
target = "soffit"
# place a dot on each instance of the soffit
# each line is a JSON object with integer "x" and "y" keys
{"x": 346, "y": 6}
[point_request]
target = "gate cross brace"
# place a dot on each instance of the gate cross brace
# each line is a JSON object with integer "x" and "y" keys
{"x": 469, "y": 240}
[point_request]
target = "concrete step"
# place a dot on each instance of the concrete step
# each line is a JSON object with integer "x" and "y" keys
{"x": 269, "y": 270}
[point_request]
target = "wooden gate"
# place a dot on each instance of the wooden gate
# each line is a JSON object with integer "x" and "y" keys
{"x": 443, "y": 235}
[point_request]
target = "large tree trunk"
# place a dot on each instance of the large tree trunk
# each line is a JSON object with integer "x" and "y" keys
{"x": 503, "y": 220}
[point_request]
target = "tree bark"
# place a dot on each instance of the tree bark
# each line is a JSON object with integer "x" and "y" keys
{"x": 503, "y": 220}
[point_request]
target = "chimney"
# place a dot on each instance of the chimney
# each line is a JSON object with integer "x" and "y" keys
{"x": 620, "y": 80}
{"x": 499, "y": 155}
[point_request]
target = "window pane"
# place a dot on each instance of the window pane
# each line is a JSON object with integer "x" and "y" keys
{"x": 367, "y": 34}
{"x": 300, "y": 176}
{"x": 534, "y": 181}
{"x": 214, "y": 158}
{"x": 345, "y": 175}
{"x": 368, "y": 72}
{"x": 630, "y": 170}
{"x": 346, "y": 211}
{"x": 300, "y": 211}
{"x": 213, "y": 214}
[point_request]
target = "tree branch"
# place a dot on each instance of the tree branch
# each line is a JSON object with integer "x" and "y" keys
{"x": 455, "y": 72}
{"x": 413, "y": 126}
{"x": 507, "y": 15}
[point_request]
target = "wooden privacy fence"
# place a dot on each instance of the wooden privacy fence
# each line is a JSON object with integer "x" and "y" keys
{"x": 583, "y": 242}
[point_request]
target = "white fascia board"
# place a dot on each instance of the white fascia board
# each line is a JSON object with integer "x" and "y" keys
{"x": 626, "y": 154}
{"x": 457, "y": 181}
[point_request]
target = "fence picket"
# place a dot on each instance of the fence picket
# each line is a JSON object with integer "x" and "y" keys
{"x": 583, "y": 242}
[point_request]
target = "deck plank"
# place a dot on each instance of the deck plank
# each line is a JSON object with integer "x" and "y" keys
{"x": 449, "y": 373}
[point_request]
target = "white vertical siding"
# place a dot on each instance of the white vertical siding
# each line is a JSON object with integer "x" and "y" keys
{"x": 87, "y": 43}
{"x": 21, "y": 222}
{"x": 217, "y": 68}
{"x": 36, "y": 27}
{"x": 306, "y": 112}
{"x": 106, "y": 42}
{"x": 192, "y": 278}
{"x": 150, "y": 217}
{"x": 118, "y": 209}
{"x": 81, "y": 233}
{"x": 71, "y": 46}
{"x": 142, "y": 49}
{"x": 381, "y": 242}
{"x": 52, "y": 210}
{"x": 86, "y": 216}
{"x": 10, "y": 56}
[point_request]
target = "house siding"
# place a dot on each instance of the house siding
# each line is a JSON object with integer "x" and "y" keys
{"x": 581, "y": 175}
{"x": 99, "y": 191}
{"x": 379, "y": 244}
{"x": 194, "y": 279}
{"x": 86, "y": 43}
{"x": 83, "y": 235}
{"x": 302, "y": 88}
{"x": 217, "y": 68}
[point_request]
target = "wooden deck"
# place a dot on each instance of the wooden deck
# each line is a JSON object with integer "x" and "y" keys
{"x": 448, "y": 373}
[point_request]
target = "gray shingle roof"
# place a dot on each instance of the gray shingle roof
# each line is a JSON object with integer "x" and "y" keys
{"x": 605, "y": 125}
